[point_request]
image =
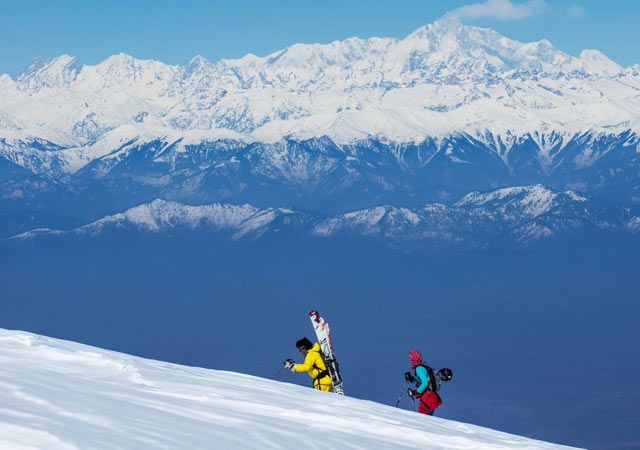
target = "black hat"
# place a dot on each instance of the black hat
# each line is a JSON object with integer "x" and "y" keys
{"x": 304, "y": 343}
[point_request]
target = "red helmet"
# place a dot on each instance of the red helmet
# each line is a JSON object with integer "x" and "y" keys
{"x": 415, "y": 358}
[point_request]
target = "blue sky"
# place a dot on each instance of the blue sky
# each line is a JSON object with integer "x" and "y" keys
{"x": 174, "y": 31}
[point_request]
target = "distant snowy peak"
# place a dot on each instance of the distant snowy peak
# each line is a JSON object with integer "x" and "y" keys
{"x": 125, "y": 69}
{"x": 486, "y": 54}
{"x": 465, "y": 51}
{"x": 461, "y": 49}
{"x": 342, "y": 55}
{"x": 443, "y": 78}
{"x": 382, "y": 221}
{"x": 66, "y": 72}
{"x": 535, "y": 199}
{"x": 161, "y": 214}
{"x": 56, "y": 72}
{"x": 162, "y": 217}
{"x": 597, "y": 62}
{"x": 444, "y": 48}
{"x": 528, "y": 195}
{"x": 513, "y": 216}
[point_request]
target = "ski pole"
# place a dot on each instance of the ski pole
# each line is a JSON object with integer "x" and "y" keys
{"x": 278, "y": 374}
{"x": 402, "y": 392}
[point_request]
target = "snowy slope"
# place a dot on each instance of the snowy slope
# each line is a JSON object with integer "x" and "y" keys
{"x": 63, "y": 395}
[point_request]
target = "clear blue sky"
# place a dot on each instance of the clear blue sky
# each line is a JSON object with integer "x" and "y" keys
{"x": 174, "y": 31}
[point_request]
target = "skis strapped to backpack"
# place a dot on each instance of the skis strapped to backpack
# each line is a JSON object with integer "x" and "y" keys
{"x": 326, "y": 350}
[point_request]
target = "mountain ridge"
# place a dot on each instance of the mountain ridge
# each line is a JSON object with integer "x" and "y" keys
{"x": 444, "y": 111}
{"x": 444, "y": 70}
{"x": 521, "y": 215}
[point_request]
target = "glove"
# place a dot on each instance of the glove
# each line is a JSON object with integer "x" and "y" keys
{"x": 289, "y": 364}
{"x": 413, "y": 393}
{"x": 410, "y": 378}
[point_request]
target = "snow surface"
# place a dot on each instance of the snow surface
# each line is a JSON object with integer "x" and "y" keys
{"x": 58, "y": 394}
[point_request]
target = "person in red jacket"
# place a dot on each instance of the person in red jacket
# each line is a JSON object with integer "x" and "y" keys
{"x": 426, "y": 386}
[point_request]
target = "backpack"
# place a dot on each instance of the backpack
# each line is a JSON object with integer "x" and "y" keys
{"x": 434, "y": 383}
{"x": 321, "y": 373}
{"x": 436, "y": 378}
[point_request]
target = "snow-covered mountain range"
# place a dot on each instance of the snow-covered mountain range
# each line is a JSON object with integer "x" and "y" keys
{"x": 330, "y": 128}
{"x": 441, "y": 79}
{"x": 517, "y": 216}
{"x": 63, "y": 395}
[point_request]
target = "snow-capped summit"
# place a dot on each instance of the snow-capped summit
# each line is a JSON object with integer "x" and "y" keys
{"x": 453, "y": 51}
{"x": 163, "y": 217}
{"x": 537, "y": 199}
{"x": 337, "y": 55}
{"x": 57, "y": 72}
{"x": 598, "y": 63}
{"x": 448, "y": 50}
{"x": 122, "y": 71}
{"x": 196, "y": 64}
{"x": 443, "y": 78}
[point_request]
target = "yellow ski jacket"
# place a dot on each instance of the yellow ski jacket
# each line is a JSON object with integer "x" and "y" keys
{"x": 314, "y": 366}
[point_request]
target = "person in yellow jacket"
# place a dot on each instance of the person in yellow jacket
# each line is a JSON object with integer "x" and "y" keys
{"x": 313, "y": 364}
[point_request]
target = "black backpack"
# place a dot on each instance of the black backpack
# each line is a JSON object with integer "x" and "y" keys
{"x": 436, "y": 378}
